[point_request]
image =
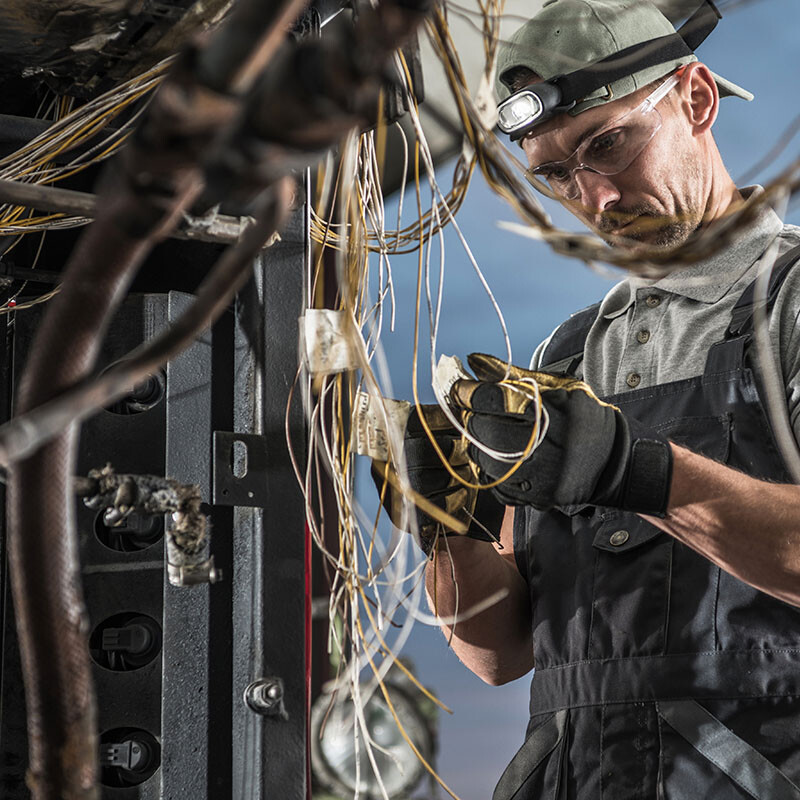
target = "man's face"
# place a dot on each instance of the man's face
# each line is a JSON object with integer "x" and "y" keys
{"x": 657, "y": 199}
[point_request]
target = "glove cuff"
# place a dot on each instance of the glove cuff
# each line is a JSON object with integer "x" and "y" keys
{"x": 639, "y": 473}
{"x": 648, "y": 478}
{"x": 487, "y": 516}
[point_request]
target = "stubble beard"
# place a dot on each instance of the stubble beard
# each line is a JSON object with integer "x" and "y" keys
{"x": 643, "y": 224}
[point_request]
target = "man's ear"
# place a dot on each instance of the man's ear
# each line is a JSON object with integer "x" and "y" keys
{"x": 699, "y": 97}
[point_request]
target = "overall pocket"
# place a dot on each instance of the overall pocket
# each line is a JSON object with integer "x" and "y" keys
{"x": 632, "y": 579}
{"x": 709, "y": 436}
{"x": 536, "y": 771}
{"x": 641, "y": 573}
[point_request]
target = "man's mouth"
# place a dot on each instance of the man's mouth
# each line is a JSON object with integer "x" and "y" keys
{"x": 625, "y": 225}
{"x": 617, "y": 226}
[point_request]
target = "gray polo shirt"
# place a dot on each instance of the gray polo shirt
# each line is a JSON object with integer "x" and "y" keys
{"x": 649, "y": 332}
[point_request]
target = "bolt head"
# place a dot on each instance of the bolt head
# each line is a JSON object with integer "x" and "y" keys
{"x": 264, "y": 696}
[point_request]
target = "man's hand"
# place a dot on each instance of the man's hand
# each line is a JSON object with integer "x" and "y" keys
{"x": 591, "y": 453}
{"x": 428, "y": 476}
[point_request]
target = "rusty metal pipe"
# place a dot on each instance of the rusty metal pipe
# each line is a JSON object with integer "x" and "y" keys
{"x": 220, "y": 228}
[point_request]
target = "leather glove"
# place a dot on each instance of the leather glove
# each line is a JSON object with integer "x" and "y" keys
{"x": 478, "y": 510}
{"x": 591, "y": 454}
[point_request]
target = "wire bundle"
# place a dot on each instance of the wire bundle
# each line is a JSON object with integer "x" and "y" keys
{"x": 84, "y": 128}
{"x": 376, "y": 583}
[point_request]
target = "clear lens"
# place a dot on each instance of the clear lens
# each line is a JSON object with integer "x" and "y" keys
{"x": 610, "y": 150}
{"x": 519, "y": 110}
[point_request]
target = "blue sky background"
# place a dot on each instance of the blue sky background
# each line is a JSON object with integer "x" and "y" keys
{"x": 755, "y": 45}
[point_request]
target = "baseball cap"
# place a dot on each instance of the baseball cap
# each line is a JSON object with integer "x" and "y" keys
{"x": 567, "y": 35}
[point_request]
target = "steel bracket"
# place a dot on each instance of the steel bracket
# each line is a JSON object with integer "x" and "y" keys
{"x": 240, "y": 469}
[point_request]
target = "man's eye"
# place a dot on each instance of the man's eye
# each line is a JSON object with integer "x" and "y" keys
{"x": 553, "y": 173}
{"x": 606, "y": 143}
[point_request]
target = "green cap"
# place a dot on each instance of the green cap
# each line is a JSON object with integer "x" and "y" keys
{"x": 567, "y": 35}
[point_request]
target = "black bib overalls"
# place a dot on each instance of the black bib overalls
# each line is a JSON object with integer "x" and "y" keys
{"x": 659, "y": 675}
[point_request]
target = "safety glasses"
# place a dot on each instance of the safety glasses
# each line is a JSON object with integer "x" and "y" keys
{"x": 610, "y": 150}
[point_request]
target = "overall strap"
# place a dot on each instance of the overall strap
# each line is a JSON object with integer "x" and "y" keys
{"x": 569, "y": 338}
{"x": 743, "y": 311}
{"x": 729, "y": 354}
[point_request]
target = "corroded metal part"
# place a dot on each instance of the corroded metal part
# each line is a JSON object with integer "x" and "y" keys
{"x": 83, "y": 47}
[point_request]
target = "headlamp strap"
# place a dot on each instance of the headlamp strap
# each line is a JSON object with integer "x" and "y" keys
{"x": 579, "y": 84}
{"x": 697, "y": 28}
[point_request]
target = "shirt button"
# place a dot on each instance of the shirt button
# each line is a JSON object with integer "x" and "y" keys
{"x": 643, "y": 337}
{"x": 619, "y": 537}
{"x": 653, "y": 300}
{"x": 633, "y": 379}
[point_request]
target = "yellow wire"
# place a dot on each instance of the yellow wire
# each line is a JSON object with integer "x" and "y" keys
{"x": 415, "y": 388}
{"x": 22, "y": 306}
{"x": 407, "y": 672}
{"x": 454, "y": 200}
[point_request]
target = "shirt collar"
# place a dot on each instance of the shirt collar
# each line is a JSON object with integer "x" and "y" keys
{"x": 710, "y": 279}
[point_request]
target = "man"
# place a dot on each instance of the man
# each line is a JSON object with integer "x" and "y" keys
{"x": 650, "y": 548}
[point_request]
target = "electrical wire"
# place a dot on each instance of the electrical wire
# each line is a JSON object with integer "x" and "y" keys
{"x": 84, "y": 129}
{"x": 376, "y": 587}
{"x": 372, "y": 580}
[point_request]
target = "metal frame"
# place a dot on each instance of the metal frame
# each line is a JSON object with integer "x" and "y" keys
{"x": 229, "y": 695}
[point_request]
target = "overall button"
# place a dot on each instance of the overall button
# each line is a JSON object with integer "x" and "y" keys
{"x": 653, "y": 300}
{"x": 633, "y": 379}
{"x": 619, "y": 537}
{"x": 643, "y": 337}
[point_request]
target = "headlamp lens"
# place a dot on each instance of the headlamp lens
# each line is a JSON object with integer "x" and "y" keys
{"x": 519, "y": 110}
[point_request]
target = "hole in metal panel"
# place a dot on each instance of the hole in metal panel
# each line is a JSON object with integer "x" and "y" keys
{"x": 135, "y": 532}
{"x": 239, "y": 459}
{"x": 128, "y": 757}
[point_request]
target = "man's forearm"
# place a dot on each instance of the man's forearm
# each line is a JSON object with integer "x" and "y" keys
{"x": 748, "y": 527}
{"x": 495, "y": 643}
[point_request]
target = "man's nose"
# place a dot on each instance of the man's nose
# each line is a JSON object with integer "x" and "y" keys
{"x": 597, "y": 193}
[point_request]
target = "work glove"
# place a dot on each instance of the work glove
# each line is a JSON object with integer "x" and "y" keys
{"x": 591, "y": 454}
{"x": 480, "y": 513}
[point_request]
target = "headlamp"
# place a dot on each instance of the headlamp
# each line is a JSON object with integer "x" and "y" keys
{"x": 519, "y": 113}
